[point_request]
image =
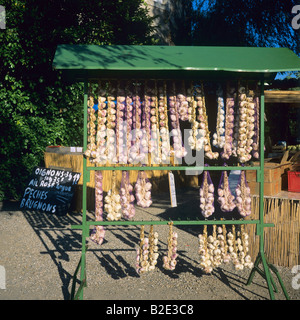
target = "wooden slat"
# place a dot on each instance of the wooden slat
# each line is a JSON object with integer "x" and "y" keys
{"x": 280, "y": 96}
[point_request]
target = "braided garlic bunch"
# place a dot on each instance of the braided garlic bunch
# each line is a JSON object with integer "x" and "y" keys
{"x": 98, "y": 232}
{"x": 205, "y": 261}
{"x": 147, "y": 253}
{"x": 111, "y": 124}
{"x": 143, "y": 190}
{"x": 91, "y": 147}
{"x": 113, "y": 202}
{"x": 243, "y": 196}
{"x": 127, "y": 197}
{"x": 203, "y": 124}
{"x": 206, "y": 193}
{"x": 219, "y": 135}
{"x": 169, "y": 261}
{"x": 246, "y": 125}
{"x": 225, "y": 197}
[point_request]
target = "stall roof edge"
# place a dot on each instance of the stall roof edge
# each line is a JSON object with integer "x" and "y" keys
{"x": 84, "y": 61}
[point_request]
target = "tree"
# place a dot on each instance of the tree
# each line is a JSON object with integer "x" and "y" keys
{"x": 37, "y": 108}
{"x": 245, "y": 23}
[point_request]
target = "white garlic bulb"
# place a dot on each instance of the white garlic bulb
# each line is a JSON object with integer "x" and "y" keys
{"x": 243, "y": 196}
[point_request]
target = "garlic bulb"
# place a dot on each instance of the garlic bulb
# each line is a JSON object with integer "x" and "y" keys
{"x": 129, "y": 123}
{"x": 203, "y": 124}
{"x": 243, "y": 196}
{"x": 206, "y": 193}
{"x": 98, "y": 232}
{"x": 229, "y": 125}
{"x": 127, "y": 197}
{"x": 143, "y": 190}
{"x": 155, "y": 141}
{"x": 169, "y": 261}
{"x": 113, "y": 202}
{"x": 219, "y": 135}
{"x": 225, "y": 197}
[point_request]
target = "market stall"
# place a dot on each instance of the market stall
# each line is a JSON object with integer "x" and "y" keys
{"x": 155, "y": 91}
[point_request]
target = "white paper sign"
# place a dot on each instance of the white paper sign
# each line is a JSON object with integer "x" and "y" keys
{"x": 172, "y": 190}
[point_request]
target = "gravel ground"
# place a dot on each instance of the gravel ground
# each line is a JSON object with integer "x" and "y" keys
{"x": 40, "y": 252}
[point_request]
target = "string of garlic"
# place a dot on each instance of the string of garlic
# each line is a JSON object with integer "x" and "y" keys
{"x": 143, "y": 190}
{"x": 111, "y": 125}
{"x": 206, "y": 193}
{"x": 203, "y": 124}
{"x": 121, "y": 126}
{"x": 205, "y": 261}
{"x": 219, "y": 135}
{"x": 127, "y": 197}
{"x": 101, "y": 128}
{"x": 225, "y": 197}
{"x": 113, "y": 202}
{"x": 142, "y": 264}
{"x": 255, "y": 145}
{"x": 174, "y": 107}
{"x": 169, "y": 261}
{"x": 163, "y": 124}
{"x": 153, "y": 248}
{"x": 246, "y": 126}
{"x": 229, "y": 125}
{"x": 98, "y": 232}
{"x": 129, "y": 123}
{"x": 154, "y": 142}
{"x": 183, "y": 106}
{"x": 243, "y": 196}
{"x": 91, "y": 126}
{"x": 137, "y": 153}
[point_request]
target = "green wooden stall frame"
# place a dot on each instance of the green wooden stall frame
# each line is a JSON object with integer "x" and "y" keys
{"x": 92, "y": 62}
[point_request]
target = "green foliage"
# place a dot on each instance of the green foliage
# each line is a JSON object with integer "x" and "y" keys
{"x": 37, "y": 108}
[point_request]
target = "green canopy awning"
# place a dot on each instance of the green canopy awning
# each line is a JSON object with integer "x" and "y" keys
{"x": 117, "y": 61}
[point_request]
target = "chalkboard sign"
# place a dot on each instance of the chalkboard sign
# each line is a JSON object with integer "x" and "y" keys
{"x": 50, "y": 190}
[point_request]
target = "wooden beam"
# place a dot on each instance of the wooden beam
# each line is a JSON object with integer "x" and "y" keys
{"x": 279, "y": 96}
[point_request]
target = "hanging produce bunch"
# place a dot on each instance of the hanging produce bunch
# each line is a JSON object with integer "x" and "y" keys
{"x": 222, "y": 247}
{"x": 98, "y": 232}
{"x": 147, "y": 252}
{"x": 243, "y": 196}
{"x": 169, "y": 261}
{"x": 206, "y": 193}
{"x": 143, "y": 190}
{"x": 225, "y": 197}
{"x": 127, "y": 197}
{"x": 113, "y": 202}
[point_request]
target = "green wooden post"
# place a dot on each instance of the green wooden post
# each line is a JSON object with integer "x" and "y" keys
{"x": 86, "y": 176}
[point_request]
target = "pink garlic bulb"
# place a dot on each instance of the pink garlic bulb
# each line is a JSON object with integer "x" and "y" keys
{"x": 219, "y": 135}
{"x": 98, "y": 232}
{"x": 206, "y": 193}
